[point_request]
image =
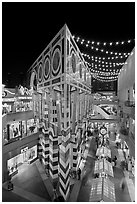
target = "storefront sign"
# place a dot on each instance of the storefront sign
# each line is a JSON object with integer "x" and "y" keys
{"x": 24, "y": 97}
{"x": 8, "y": 99}
{"x": 24, "y": 150}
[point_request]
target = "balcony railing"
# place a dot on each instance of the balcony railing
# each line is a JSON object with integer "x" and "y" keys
{"x": 129, "y": 103}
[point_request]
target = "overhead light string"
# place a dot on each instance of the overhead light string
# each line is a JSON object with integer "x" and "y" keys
{"x": 99, "y": 43}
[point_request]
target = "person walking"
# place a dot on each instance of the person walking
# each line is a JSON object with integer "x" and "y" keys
{"x": 122, "y": 184}
{"x": 79, "y": 174}
{"x": 130, "y": 165}
{"x": 115, "y": 160}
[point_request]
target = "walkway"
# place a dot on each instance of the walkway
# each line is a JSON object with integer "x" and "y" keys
{"x": 77, "y": 184}
{"x": 127, "y": 195}
{"x": 28, "y": 186}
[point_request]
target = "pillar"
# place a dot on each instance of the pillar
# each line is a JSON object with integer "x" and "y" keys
{"x": 74, "y": 144}
{"x": 53, "y": 156}
{"x": 64, "y": 147}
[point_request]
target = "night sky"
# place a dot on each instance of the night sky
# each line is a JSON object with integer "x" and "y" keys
{"x": 27, "y": 28}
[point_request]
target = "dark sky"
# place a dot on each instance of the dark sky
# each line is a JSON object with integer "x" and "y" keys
{"x": 27, "y": 28}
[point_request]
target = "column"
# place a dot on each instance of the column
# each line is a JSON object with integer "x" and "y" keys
{"x": 53, "y": 156}
{"x": 64, "y": 148}
{"x": 73, "y": 136}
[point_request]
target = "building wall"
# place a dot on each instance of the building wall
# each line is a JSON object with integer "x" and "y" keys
{"x": 126, "y": 93}
{"x": 11, "y": 150}
{"x": 126, "y": 78}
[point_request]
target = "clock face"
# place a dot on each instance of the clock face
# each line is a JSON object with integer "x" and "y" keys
{"x": 103, "y": 131}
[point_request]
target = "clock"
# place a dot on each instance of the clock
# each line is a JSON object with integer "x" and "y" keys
{"x": 103, "y": 131}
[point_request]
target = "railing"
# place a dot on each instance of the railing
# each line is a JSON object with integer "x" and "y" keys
{"x": 129, "y": 103}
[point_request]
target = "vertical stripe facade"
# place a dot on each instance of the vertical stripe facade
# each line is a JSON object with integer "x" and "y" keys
{"x": 75, "y": 155}
{"x": 60, "y": 72}
{"x": 73, "y": 136}
{"x": 53, "y": 157}
{"x": 43, "y": 149}
{"x": 64, "y": 166}
{"x": 64, "y": 148}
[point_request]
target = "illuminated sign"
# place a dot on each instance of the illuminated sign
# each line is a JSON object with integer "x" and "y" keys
{"x": 8, "y": 99}
{"x": 24, "y": 97}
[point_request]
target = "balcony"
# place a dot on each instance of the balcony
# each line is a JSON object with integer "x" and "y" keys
{"x": 129, "y": 103}
{"x": 16, "y": 116}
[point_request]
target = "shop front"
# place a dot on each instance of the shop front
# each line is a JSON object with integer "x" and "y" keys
{"x": 26, "y": 156}
{"x": 19, "y": 129}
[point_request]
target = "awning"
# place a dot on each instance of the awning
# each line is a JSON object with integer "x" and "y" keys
{"x": 102, "y": 189}
{"x": 103, "y": 166}
{"x": 103, "y": 151}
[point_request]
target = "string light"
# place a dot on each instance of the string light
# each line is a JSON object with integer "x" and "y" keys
{"x": 107, "y": 52}
{"x": 107, "y": 58}
{"x": 105, "y": 43}
{"x": 103, "y": 62}
{"x": 110, "y": 80}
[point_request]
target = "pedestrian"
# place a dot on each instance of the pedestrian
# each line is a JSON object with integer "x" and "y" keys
{"x": 130, "y": 166}
{"x": 113, "y": 163}
{"x": 10, "y": 186}
{"x": 122, "y": 184}
{"x": 115, "y": 160}
{"x": 79, "y": 174}
{"x": 55, "y": 195}
{"x": 97, "y": 141}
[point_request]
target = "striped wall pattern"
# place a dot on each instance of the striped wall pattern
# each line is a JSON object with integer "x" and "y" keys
{"x": 75, "y": 155}
{"x": 53, "y": 156}
{"x": 39, "y": 148}
{"x": 43, "y": 148}
{"x": 64, "y": 165}
{"x": 45, "y": 112}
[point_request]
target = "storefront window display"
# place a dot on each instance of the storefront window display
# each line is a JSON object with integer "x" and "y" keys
{"x": 6, "y": 108}
{"x": 23, "y": 106}
{"x": 5, "y": 135}
{"x": 24, "y": 131}
{"x": 31, "y": 127}
{"x": 14, "y": 130}
{"x": 27, "y": 155}
{"x": 30, "y": 154}
{"x": 13, "y": 164}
